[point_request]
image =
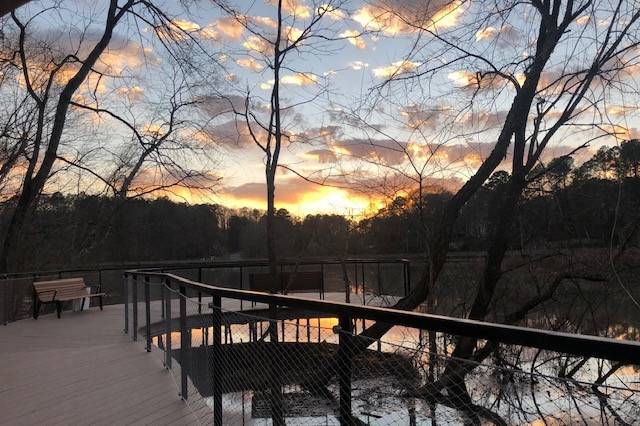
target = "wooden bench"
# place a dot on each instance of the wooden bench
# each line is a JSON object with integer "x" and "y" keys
{"x": 60, "y": 291}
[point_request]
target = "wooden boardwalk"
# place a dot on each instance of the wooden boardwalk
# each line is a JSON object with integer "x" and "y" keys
{"x": 82, "y": 369}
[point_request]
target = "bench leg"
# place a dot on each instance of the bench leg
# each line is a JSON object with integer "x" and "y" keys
{"x": 59, "y": 308}
{"x": 100, "y": 302}
{"x": 82, "y": 305}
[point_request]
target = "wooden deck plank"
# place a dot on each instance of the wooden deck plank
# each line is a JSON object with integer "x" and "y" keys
{"x": 82, "y": 369}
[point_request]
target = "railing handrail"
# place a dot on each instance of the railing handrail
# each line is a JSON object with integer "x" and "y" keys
{"x": 212, "y": 264}
{"x": 576, "y": 344}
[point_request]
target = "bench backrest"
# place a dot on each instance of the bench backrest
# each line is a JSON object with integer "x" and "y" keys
{"x": 62, "y": 286}
{"x": 287, "y": 282}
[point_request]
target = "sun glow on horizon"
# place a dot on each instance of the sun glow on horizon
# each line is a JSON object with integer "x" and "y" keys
{"x": 321, "y": 200}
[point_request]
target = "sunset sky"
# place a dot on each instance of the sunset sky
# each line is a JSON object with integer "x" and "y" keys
{"x": 364, "y": 139}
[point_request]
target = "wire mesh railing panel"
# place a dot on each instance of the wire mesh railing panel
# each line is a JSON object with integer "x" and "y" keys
{"x": 268, "y": 365}
{"x": 407, "y": 384}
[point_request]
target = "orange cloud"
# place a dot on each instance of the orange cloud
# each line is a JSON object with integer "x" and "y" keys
{"x": 257, "y": 44}
{"x": 301, "y": 198}
{"x": 332, "y": 12}
{"x": 490, "y": 33}
{"x": 250, "y": 63}
{"x": 296, "y": 8}
{"x": 396, "y": 69}
{"x": 354, "y": 37}
{"x": 299, "y": 79}
{"x": 396, "y": 17}
{"x": 230, "y": 27}
{"x": 267, "y": 85}
{"x": 357, "y": 65}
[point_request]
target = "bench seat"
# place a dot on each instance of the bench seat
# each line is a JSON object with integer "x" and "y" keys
{"x": 59, "y": 291}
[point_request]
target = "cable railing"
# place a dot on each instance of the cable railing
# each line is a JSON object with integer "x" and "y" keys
{"x": 286, "y": 359}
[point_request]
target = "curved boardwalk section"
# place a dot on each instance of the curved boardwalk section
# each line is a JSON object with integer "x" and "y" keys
{"x": 82, "y": 369}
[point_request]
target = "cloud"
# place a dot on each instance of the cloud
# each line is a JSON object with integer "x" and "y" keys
{"x": 473, "y": 81}
{"x": 417, "y": 117}
{"x": 482, "y": 119}
{"x": 184, "y": 25}
{"x": 265, "y": 21}
{"x": 301, "y": 197}
{"x": 250, "y": 64}
{"x": 620, "y": 110}
{"x": 322, "y": 155}
{"x": 293, "y": 34}
{"x": 230, "y": 134}
{"x": 230, "y": 27}
{"x": 296, "y": 8}
{"x": 583, "y": 20}
{"x": 318, "y": 135}
{"x": 257, "y": 44}
{"x": 289, "y": 190}
{"x": 299, "y": 79}
{"x": 133, "y": 93}
{"x": 267, "y": 85}
{"x": 357, "y": 65}
{"x": 53, "y": 45}
{"x": 332, "y": 12}
{"x": 395, "y": 17}
{"x": 385, "y": 151}
{"x": 505, "y": 33}
{"x": 355, "y": 38}
{"x": 396, "y": 69}
{"x": 217, "y": 105}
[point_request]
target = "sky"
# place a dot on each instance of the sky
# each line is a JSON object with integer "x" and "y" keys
{"x": 364, "y": 138}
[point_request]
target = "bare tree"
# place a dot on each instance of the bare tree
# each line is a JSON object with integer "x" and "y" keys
{"x": 546, "y": 92}
{"x": 54, "y": 77}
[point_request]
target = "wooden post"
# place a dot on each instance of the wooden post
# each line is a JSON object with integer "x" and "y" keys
{"x": 345, "y": 366}
{"x": 185, "y": 344}
{"x": 216, "y": 361}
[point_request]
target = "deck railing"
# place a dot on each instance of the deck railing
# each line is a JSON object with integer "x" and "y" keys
{"x": 567, "y": 377}
{"x": 16, "y": 288}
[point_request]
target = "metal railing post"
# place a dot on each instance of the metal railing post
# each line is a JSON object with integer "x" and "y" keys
{"x": 185, "y": 344}
{"x": 216, "y": 374}
{"x": 199, "y": 292}
{"x": 407, "y": 277}
{"x": 135, "y": 307}
{"x": 162, "y": 296}
{"x": 322, "y": 281}
{"x": 125, "y": 291}
{"x": 147, "y": 312}
{"x": 241, "y": 287}
{"x": 167, "y": 324}
{"x": 345, "y": 366}
{"x": 275, "y": 391}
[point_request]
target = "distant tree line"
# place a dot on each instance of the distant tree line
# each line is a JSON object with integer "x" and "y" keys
{"x": 590, "y": 205}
